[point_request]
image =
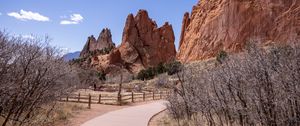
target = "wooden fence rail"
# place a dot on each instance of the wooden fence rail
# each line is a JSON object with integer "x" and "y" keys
{"x": 113, "y": 99}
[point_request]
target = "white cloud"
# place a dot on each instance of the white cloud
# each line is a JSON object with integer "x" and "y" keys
{"x": 65, "y": 50}
{"x": 27, "y": 36}
{"x": 67, "y": 22}
{"x": 28, "y": 15}
{"x": 74, "y": 19}
{"x": 0, "y": 13}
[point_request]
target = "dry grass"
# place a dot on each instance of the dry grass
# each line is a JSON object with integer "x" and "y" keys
{"x": 162, "y": 119}
{"x": 61, "y": 112}
{"x": 64, "y": 111}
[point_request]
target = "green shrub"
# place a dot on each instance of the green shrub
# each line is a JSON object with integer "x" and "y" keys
{"x": 151, "y": 72}
{"x": 161, "y": 68}
{"x": 222, "y": 55}
{"x": 100, "y": 52}
{"x": 141, "y": 75}
{"x": 101, "y": 76}
{"x": 173, "y": 67}
{"x": 146, "y": 74}
{"x": 79, "y": 60}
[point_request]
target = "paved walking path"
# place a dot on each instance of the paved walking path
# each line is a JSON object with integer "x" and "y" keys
{"x": 132, "y": 116}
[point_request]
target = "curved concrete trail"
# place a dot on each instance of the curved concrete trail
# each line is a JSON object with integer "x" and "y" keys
{"x": 132, "y": 116}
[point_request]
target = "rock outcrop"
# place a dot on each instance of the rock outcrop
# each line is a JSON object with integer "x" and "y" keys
{"x": 88, "y": 47}
{"x": 144, "y": 44}
{"x": 106, "y": 63}
{"x": 185, "y": 23}
{"x": 228, "y": 25}
{"x": 104, "y": 41}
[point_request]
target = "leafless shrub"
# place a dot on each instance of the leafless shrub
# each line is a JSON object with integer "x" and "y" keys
{"x": 257, "y": 87}
{"x": 32, "y": 74}
{"x": 162, "y": 81}
{"x": 87, "y": 77}
{"x": 114, "y": 77}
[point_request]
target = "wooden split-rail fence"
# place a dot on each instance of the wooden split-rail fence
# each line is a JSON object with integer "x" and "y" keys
{"x": 114, "y": 99}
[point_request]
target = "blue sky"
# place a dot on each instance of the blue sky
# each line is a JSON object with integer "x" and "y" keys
{"x": 70, "y": 22}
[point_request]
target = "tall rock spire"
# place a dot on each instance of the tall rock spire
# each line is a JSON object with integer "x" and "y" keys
{"x": 104, "y": 41}
{"x": 144, "y": 44}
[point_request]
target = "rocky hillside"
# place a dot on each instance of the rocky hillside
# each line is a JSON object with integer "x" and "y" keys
{"x": 144, "y": 45}
{"x": 216, "y": 25}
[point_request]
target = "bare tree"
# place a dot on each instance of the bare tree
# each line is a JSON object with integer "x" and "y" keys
{"x": 32, "y": 74}
{"x": 257, "y": 87}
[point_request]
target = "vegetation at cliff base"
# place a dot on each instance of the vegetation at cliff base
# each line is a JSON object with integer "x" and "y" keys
{"x": 170, "y": 68}
{"x": 221, "y": 56}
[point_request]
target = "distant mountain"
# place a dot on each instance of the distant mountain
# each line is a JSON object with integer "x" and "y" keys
{"x": 70, "y": 56}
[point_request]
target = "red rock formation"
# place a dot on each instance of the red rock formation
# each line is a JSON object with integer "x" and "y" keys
{"x": 104, "y": 41}
{"x": 185, "y": 24}
{"x": 107, "y": 62}
{"x": 89, "y": 46}
{"x": 144, "y": 44}
{"x": 228, "y": 25}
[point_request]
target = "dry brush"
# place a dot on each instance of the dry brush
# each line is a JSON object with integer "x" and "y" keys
{"x": 260, "y": 86}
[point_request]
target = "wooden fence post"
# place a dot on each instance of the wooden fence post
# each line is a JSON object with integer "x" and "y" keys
{"x": 153, "y": 95}
{"x": 166, "y": 94}
{"x": 144, "y": 98}
{"x": 160, "y": 95}
{"x": 99, "y": 102}
{"x": 132, "y": 97}
{"x": 67, "y": 98}
{"x": 90, "y": 100}
{"x": 78, "y": 97}
{"x": 119, "y": 99}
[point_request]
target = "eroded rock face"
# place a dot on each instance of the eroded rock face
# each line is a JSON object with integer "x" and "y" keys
{"x": 89, "y": 46}
{"x": 185, "y": 24}
{"x": 104, "y": 41}
{"x": 144, "y": 44}
{"x": 108, "y": 62}
{"x": 228, "y": 25}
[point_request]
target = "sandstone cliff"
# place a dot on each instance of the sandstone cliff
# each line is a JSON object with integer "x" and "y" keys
{"x": 104, "y": 41}
{"x": 228, "y": 25}
{"x": 144, "y": 45}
